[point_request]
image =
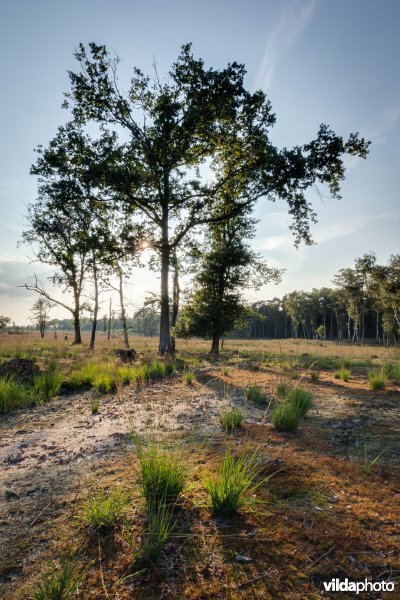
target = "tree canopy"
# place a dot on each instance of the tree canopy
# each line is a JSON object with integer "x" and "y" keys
{"x": 190, "y": 139}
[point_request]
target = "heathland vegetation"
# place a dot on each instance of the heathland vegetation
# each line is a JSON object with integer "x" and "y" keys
{"x": 256, "y": 468}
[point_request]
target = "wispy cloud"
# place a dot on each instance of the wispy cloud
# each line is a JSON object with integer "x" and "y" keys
{"x": 378, "y": 130}
{"x": 327, "y": 233}
{"x": 288, "y": 29}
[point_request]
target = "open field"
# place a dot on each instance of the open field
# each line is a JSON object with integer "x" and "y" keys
{"x": 328, "y": 495}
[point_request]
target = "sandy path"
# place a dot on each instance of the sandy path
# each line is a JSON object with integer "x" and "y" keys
{"x": 48, "y": 453}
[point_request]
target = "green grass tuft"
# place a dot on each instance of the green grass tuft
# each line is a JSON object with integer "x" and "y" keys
{"x": 162, "y": 475}
{"x": 344, "y": 374}
{"x": 13, "y": 395}
{"x": 377, "y": 380}
{"x": 104, "y": 511}
{"x": 286, "y": 417}
{"x": 255, "y": 394}
{"x": 188, "y": 377}
{"x": 231, "y": 420}
{"x": 160, "y": 525}
{"x": 300, "y": 399}
{"x": 46, "y": 385}
{"x": 234, "y": 484}
{"x": 61, "y": 582}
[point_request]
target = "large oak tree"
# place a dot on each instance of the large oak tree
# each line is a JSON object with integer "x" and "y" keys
{"x": 192, "y": 136}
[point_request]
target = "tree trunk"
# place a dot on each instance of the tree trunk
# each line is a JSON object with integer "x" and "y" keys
{"x": 95, "y": 308}
{"x": 77, "y": 329}
{"x": 77, "y": 321}
{"x": 165, "y": 334}
{"x": 123, "y": 312}
{"x": 175, "y": 301}
{"x": 109, "y": 323}
{"x": 215, "y": 345}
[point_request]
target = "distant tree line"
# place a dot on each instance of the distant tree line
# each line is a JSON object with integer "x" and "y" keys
{"x": 364, "y": 304}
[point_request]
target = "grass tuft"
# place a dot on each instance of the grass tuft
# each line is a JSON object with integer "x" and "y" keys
{"x": 344, "y": 374}
{"x": 234, "y": 484}
{"x": 162, "y": 475}
{"x": 188, "y": 377}
{"x": 160, "y": 525}
{"x": 377, "y": 380}
{"x": 13, "y": 395}
{"x": 46, "y": 385}
{"x": 286, "y": 417}
{"x": 61, "y": 582}
{"x": 231, "y": 420}
{"x": 104, "y": 511}
{"x": 300, "y": 399}
{"x": 255, "y": 394}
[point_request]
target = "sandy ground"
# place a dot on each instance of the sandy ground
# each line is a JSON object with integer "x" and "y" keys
{"x": 48, "y": 453}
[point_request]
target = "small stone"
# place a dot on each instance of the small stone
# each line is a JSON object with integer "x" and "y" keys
{"x": 240, "y": 558}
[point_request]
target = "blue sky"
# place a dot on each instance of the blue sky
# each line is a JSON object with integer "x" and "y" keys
{"x": 332, "y": 61}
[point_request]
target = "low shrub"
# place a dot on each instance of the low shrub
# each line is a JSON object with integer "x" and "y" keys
{"x": 256, "y": 394}
{"x": 234, "y": 484}
{"x": 231, "y": 420}
{"x": 94, "y": 406}
{"x": 300, "y": 399}
{"x": 314, "y": 376}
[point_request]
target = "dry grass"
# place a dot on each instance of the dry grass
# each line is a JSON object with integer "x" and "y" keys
{"x": 319, "y": 515}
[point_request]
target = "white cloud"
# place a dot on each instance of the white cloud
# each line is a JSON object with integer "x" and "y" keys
{"x": 290, "y": 26}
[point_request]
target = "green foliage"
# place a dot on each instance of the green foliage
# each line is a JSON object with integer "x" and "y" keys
{"x": 225, "y": 371}
{"x": 392, "y": 371}
{"x": 125, "y": 375}
{"x": 94, "y": 406}
{"x": 344, "y": 374}
{"x": 235, "y": 483}
{"x": 105, "y": 383}
{"x": 60, "y": 582}
{"x": 377, "y": 380}
{"x": 13, "y": 395}
{"x": 162, "y": 475}
{"x": 286, "y": 417}
{"x": 46, "y": 385}
{"x": 142, "y": 374}
{"x": 231, "y": 420}
{"x": 300, "y": 399}
{"x": 188, "y": 377}
{"x": 314, "y": 376}
{"x": 104, "y": 511}
{"x": 255, "y": 394}
{"x": 160, "y": 525}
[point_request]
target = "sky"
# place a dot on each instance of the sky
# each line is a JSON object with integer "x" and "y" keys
{"x": 319, "y": 61}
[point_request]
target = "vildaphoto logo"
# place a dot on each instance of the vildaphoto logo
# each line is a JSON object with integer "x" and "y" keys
{"x": 336, "y": 585}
